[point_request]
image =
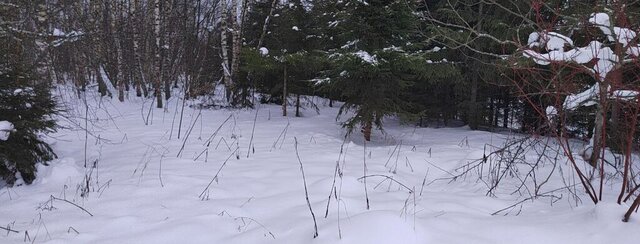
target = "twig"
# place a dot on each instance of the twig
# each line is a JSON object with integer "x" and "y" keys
{"x": 631, "y": 193}
{"x": 189, "y": 133}
{"x": 306, "y": 192}
{"x": 217, "y": 130}
{"x": 67, "y": 201}
{"x": 443, "y": 170}
{"x": 529, "y": 198}
{"x": 335, "y": 175}
{"x": 160, "y": 171}
{"x": 424, "y": 181}
{"x": 390, "y": 156}
{"x": 392, "y": 179}
{"x": 217, "y": 173}
{"x": 86, "y": 128}
{"x": 261, "y": 225}
{"x": 9, "y": 229}
{"x": 255, "y": 118}
{"x": 184, "y": 100}
{"x": 284, "y": 131}
{"x": 74, "y": 230}
{"x": 146, "y": 122}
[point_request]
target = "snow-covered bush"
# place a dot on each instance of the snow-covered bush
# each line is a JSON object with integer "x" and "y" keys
{"x": 594, "y": 66}
{"x": 603, "y": 57}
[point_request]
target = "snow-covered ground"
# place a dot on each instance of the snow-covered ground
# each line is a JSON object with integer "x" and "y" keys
{"x": 140, "y": 187}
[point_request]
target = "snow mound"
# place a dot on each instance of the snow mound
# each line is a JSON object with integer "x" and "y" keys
{"x": 378, "y": 227}
{"x": 59, "y": 172}
{"x": 552, "y": 40}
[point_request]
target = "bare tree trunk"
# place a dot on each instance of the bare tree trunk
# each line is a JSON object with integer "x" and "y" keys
{"x": 634, "y": 207}
{"x": 266, "y": 23}
{"x": 137, "y": 68}
{"x": 599, "y": 135}
{"x": 236, "y": 41}
{"x": 102, "y": 87}
{"x": 366, "y": 130}
{"x": 167, "y": 65}
{"x": 473, "y": 113}
{"x": 284, "y": 93}
{"x": 297, "y": 105}
{"x": 122, "y": 82}
{"x": 506, "y": 111}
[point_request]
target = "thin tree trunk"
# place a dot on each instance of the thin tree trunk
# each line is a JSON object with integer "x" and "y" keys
{"x": 236, "y": 41}
{"x": 473, "y": 113}
{"x": 120, "y": 61}
{"x": 266, "y": 23}
{"x": 599, "y": 136}
{"x": 473, "y": 107}
{"x": 137, "y": 68}
{"x": 284, "y": 93}
{"x": 297, "y": 105}
{"x": 226, "y": 69}
{"x": 507, "y": 111}
{"x": 159, "y": 77}
{"x": 634, "y": 207}
{"x": 366, "y": 130}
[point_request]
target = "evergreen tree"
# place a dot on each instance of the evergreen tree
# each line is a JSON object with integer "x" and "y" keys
{"x": 370, "y": 45}
{"x": 26, "y": 106}
{"x": 289, "y": 43}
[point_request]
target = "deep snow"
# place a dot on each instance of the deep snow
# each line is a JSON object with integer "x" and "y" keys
{"x": 140, "y": 191}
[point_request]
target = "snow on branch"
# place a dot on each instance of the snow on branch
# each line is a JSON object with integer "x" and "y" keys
{"x": 366, "y": 57}
{"x": 603, "y": 58}
{"x": 6, "y": 128}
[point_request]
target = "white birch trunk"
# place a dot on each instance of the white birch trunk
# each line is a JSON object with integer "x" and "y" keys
{"x": 158, "y": 78}
{"x": 226, "y": 71}
{"x": 236, "y": 39}
{"x": 266, "y": 23}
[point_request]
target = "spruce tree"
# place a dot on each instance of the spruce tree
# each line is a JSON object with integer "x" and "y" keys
{"x": 26, "y": 106}
{"x": 374, "y": 61}
{"x": 289, "y": 43}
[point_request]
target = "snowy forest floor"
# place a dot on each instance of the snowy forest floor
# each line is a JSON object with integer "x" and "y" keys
{"x": 146, "y": 182}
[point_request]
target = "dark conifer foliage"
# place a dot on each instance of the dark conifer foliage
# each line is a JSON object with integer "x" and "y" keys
{"x": 25, "y": 100}
{"x": 374, "y": 60}
{"x": 29, "y": 107}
